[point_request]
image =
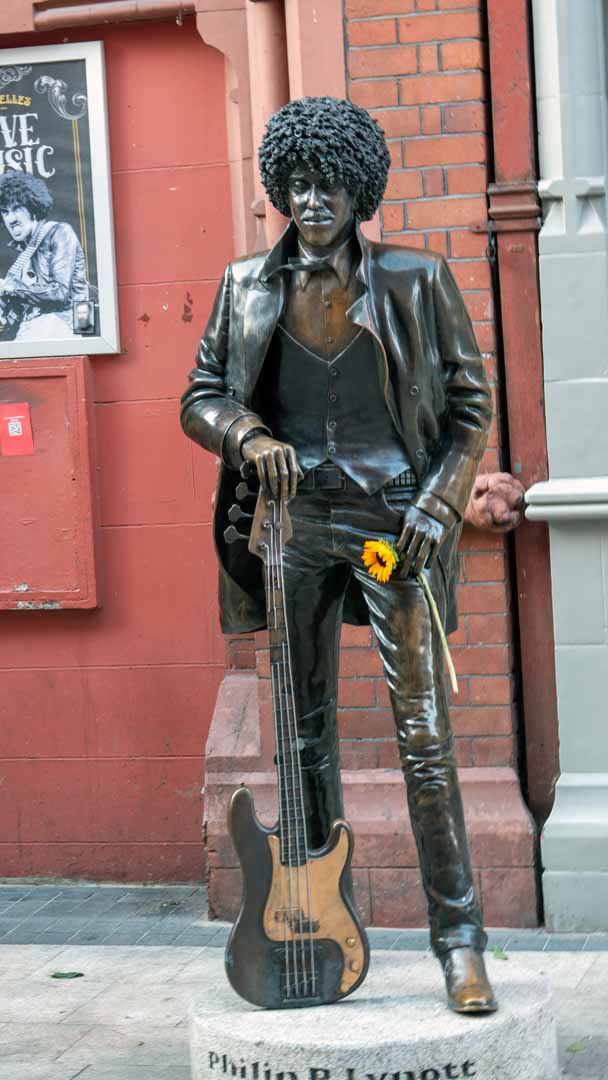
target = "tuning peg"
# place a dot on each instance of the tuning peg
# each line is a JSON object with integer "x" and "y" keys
{"x": 248, "y": 469}
{"x": 244, "y": 492}
{"x": 232, "y": 534}
{"x": 236, "y": 514}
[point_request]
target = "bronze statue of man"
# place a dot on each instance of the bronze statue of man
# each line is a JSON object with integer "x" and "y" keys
{"x": 348, "y": 372}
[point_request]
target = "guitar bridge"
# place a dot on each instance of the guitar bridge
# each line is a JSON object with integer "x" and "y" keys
{"x": 299, "y": 974}
{"x": 300, "y": 991}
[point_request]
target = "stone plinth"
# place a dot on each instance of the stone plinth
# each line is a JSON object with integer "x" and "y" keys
{"x": 396, "y": 1027}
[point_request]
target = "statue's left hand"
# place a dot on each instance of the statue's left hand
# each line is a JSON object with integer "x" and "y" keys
{"x": 420, "y": 540}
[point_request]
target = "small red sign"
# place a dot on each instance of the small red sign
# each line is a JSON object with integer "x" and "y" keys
{"x": 16, "y": 429}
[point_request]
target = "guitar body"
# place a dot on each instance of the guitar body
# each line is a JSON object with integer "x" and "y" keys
{"x": 297, "y": 940}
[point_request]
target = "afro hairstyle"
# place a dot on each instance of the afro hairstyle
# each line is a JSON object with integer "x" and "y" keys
{"x": 335, "y": 138}
{"x": 22, "y": 189}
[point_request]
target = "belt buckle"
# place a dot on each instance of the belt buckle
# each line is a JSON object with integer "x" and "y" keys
{"x": 329, "y": 478}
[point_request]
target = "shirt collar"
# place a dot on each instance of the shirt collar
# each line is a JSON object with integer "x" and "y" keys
{"x": 362, "y": 254}
{"x": 340, "y": 260}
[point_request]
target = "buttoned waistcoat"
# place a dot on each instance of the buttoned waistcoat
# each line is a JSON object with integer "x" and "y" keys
{"x": 432, "y": 373}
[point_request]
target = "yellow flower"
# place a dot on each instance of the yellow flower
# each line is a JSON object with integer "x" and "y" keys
{"x": 380, "y": 557}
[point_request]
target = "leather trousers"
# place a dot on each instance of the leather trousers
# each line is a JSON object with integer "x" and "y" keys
{"x": 330, "y": 529}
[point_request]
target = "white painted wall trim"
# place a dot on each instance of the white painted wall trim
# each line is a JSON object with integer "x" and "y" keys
{"x": 572, "y": 499}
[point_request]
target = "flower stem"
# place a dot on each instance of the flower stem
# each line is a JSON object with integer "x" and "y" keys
{"x": 439, "y": 625}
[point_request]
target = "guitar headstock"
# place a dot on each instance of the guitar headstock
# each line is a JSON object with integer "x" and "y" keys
{"x": 271, "y": 526}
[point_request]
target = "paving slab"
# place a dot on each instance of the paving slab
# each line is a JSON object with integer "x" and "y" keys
{"x": 20, "y": 962}
{"x": 125, "y": 1072}
{"x": 162, "y": 1005}
{"x": 131, "y": 1006}
{"x": 29, "y": 1043}
{"x": 23, "y": 1071}
{"x": 120, "y": 964}
{"x": 25, "y": 1001}
{"x": 120, "y": 1046}
{"x": 159, "y": 937}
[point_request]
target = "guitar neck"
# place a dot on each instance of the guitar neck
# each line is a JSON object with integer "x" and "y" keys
{"x": 292, "y": 823}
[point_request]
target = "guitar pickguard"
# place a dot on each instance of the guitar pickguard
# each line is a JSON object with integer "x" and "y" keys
{"x": 305, "y": 903}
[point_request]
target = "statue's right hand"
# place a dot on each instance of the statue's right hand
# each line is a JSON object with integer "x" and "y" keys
{"x": 276, "y": 463}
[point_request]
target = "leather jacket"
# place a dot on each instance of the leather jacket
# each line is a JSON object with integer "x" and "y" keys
{"x": 433, "y": 377}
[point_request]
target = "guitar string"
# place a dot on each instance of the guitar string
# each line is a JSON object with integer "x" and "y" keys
{"x": 299, "y": 769}
{"x": 295, "y": 760}
{"x": 285, "y": 927}
{"x": 284, "y": 709}
{"x": 276, "y": 714}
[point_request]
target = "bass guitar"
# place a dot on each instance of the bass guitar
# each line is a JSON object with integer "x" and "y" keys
{"x": 297, "y": 940}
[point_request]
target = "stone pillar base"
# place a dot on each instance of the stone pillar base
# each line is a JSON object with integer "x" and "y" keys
{"x": 386, "y": 874}
{"x": 574, "y": 847}
{"x": 397, "y": 1025}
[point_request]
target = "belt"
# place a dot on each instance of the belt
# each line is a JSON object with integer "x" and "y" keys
{"x": 331, "y": 478}
{"x": 328, "y": 478}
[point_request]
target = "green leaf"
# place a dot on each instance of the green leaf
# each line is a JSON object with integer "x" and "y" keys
{"x": 499, "y": 953}
{"x": 576, "y": 1047}
{"x": 67, "y": 975}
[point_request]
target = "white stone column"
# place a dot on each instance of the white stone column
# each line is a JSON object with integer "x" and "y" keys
{"x": 570, "y": 58}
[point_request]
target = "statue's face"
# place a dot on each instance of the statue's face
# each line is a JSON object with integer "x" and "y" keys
{"x": 323, "y": 212}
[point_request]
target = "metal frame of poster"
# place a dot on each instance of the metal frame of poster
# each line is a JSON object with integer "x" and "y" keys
{"x": 57, "y": 266}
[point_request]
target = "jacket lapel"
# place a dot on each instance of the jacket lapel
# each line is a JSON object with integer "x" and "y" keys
{"x": 363, "y": 313}
{"x": 263, "y": 307}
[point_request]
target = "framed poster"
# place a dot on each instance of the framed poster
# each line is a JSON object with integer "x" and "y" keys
{"x": 57, "y": 267}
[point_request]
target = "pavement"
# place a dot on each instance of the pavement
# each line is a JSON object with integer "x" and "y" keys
{"x": 141, "y": 955}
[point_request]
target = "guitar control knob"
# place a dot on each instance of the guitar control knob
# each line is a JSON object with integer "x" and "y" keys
{"x": 354, "y": 965}
{"x": 351, "y": 942}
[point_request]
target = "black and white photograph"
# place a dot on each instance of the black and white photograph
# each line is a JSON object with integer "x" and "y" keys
{"x": 57, "y": 273}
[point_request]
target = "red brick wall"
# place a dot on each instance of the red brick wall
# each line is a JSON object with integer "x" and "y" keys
{"x": 419, "y": 66}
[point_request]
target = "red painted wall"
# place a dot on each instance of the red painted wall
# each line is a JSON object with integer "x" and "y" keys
{"x": 104, "y": 714}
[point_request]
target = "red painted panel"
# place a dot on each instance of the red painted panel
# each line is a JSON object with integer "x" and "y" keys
{"x": 159, "y": 800}
{"x": 48, "y": 537}
{"x": 143, "y": 861}
{"x": 16, "y": 15}
{"x": 157, "y": 118}
{"x": 205, "y": 471}
{"x": 101, "y": 712}
{"x": 146, "y": 473}
{"x": 172, "y": 224}
{"x": 160, "y": 330}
